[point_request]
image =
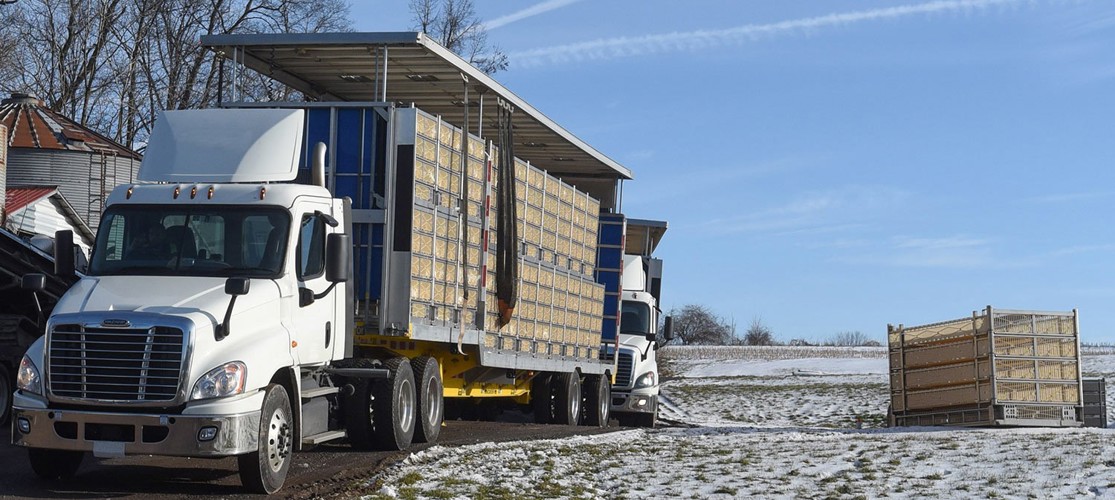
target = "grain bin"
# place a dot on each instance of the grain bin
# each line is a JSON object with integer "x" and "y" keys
{"x": 48, "y": 149}
{"x": 998, "y": 367}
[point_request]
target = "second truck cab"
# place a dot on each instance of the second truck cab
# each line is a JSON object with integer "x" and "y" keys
{"x": 635, "y": 392}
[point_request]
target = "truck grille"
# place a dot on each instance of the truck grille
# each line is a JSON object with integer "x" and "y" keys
{"x": 623, "y": 372}
{"x": 118, "y": 364}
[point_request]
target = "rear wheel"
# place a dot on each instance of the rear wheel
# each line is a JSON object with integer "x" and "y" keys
{"x": 395, "y": 407}
{"x": 381, "y": 414}
{"x": 567, "y": 398}
{"x": 598, "y": 400}
{"x": 53, "y": 465}
{"x": 265, "y": 470}
{"x": 541, "y": 399}
{"x": 6, "y": 389}
{"x": 431, "y": 402}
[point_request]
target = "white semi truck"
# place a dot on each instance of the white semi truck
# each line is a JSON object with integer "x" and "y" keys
{"x": 635, "y": 392}
{"x": 286, "y": 274}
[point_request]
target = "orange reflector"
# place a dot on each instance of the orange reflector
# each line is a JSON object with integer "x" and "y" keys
{"x": 293, "y": 344}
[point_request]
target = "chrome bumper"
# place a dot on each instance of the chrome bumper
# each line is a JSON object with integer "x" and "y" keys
{"x": 109, "y": 434}
{"x": 623, "y": 402}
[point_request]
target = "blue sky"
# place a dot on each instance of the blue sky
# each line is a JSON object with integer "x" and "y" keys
{"x": 837, "y": 165}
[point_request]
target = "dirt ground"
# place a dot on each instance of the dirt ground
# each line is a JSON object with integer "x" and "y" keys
{"x": 333, "y": 470}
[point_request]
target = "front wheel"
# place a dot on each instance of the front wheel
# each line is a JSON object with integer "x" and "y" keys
{"x": 53, "y": 465}
{"x": 265, "y": 470}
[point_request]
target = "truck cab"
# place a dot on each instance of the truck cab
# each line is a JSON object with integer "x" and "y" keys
{"x": 635, "y": 392}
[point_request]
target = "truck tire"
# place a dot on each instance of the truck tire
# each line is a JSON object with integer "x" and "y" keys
{"x": 54, "y": 465}
{"x": 381, "y": 414}
{"x": 542, "y": 399}
{"x": 265, "y": 470}
{"x": 6, "y": 389}
{"x": 567, "y": 398}
{"x": 598, "y": 400}
{"x": 431, "y": 399}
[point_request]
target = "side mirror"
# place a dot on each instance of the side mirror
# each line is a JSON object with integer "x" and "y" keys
{"x": 668, "y": 329}
{"x": 338, "y": 257}
{"x": 237, "y": 286}
{"x": 234, "y": 287}
{"x": 64, "y": 254}
{"x": 35, "y": 282}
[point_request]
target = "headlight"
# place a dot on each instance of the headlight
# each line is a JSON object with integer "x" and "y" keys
{"x": 224, "y": 380}
{"x": 28, "y": 378}
{"x": 645, "y": 380}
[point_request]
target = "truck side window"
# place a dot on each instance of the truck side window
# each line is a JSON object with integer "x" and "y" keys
{"x": 311, "y": 247}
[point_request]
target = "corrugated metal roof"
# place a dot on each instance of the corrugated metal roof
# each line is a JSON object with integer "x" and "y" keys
{"x": 352, "y": 67}
{"x": 32, "y": 125}
{"x": 20, "y": 197}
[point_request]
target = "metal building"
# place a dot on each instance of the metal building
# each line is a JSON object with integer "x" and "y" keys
{"x": 48, "y": 149}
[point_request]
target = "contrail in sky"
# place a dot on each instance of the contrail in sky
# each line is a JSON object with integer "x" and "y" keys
{"x": 531, "y": 11}
{"x": 614, "y": 48}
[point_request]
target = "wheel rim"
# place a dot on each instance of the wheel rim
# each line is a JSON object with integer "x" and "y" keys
{"x": 278, "y": 440}
{"x": 574, "y": 402}
{"x": 431, "y": 400}
{"x": 605, "y": 401}
{"x": 406, "y": 405}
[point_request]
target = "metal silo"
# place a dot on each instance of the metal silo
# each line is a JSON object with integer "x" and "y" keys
{"x": 48, "y": 149}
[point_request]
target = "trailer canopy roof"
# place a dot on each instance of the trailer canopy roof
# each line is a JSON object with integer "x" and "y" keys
{"x": 644, "y": 235}
{"x": 409, "y": 67}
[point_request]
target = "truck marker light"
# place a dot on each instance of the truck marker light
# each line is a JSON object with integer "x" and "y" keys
{"x": 210, "y": 192}
{"x": 262, "y": 192}
{"x": 207, "y": 433}
{"x": 177, "y": 191}
{"x": 24, "y": 425}
{"x": 128, "y": 195}
{"x": 293, "y": 344}
{"x": 193, "y": 192}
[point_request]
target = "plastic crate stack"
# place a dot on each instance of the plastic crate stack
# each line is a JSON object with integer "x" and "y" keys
{"x": 560, "y": 306}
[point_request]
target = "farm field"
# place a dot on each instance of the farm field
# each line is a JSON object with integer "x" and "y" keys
{"x": 774, "y": 422}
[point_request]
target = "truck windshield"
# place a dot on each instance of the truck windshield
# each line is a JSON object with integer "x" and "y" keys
{"x": 185, "y": 240}
{"x": 635, "y": 318}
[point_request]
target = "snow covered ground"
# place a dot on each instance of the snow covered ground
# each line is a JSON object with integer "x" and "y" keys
{"x": 768, "y": 425}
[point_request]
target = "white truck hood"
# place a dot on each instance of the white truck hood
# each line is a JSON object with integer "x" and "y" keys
{"x": 201, "y": 299}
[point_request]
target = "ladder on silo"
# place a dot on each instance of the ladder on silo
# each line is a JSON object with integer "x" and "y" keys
{"x": 102, "y": 178}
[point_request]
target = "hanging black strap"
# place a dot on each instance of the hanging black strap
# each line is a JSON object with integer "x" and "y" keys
{"x": 507, "y": 239}
{"x": 464, "y": 191}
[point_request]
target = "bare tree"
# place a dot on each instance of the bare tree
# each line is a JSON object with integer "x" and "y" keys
{"x": 851, "y": 339}
{"x": 758, "y": 333}
{"x": 696, "y": 325}
{"x": 453, "y": 24}
{"x": 113, "y": 64}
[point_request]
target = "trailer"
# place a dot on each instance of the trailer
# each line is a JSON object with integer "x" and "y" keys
{"x": 999, "y": 368}
{"x": 22, "y": 312}
{"x": 402, "y": 243}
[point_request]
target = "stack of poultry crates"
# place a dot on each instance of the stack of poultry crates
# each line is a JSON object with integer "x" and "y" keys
{"x": 559, "y": 305}
{"x": 999, "y": 367}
